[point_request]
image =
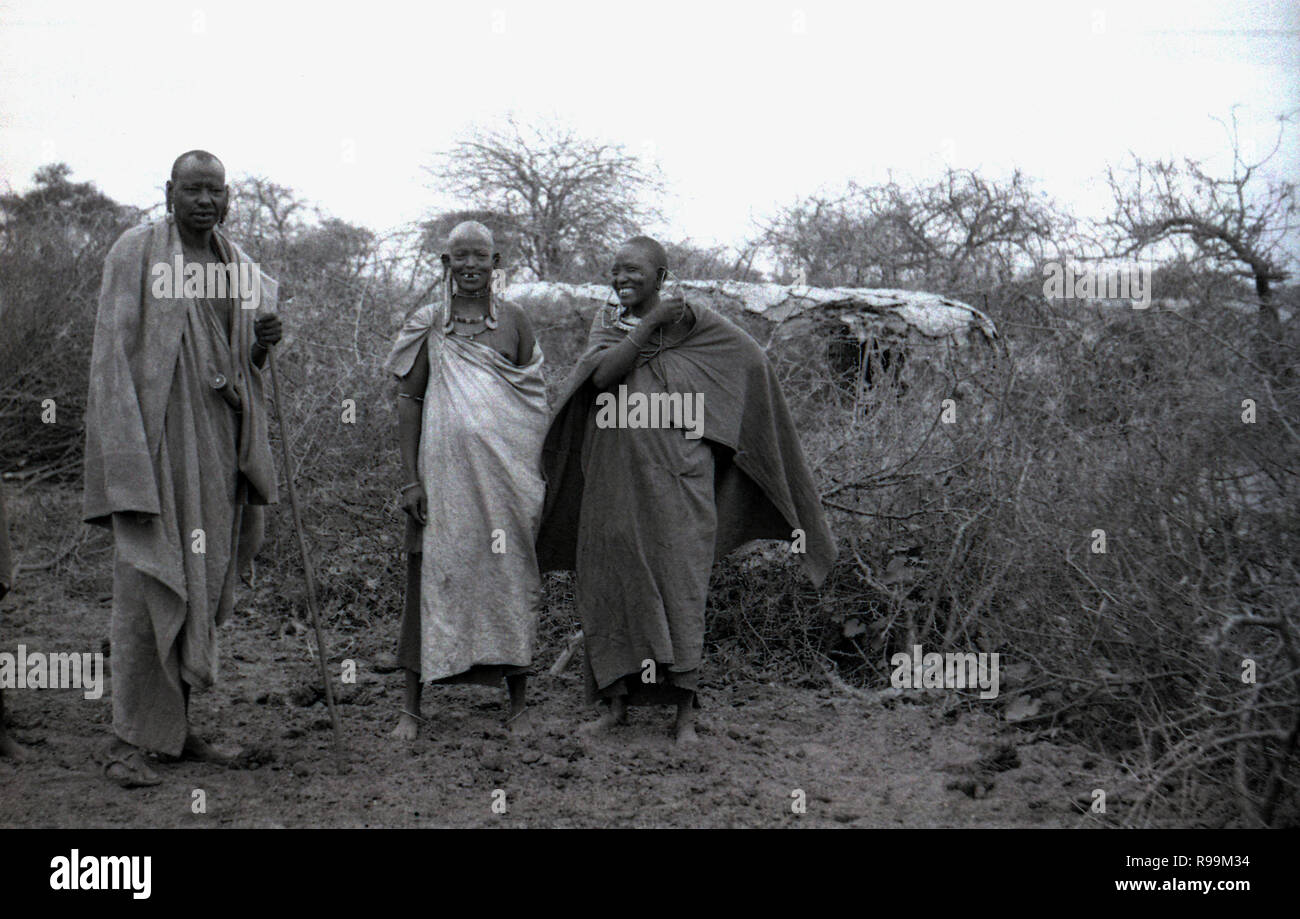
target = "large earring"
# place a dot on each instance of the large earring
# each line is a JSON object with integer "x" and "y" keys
{"x": 612, "y": 310}
{"x": 446, "y": 302}
{"x": 490, "y": 321}
{"x": 670, "y": 282}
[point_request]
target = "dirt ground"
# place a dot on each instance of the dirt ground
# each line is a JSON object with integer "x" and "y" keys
{"x": 851, "y": 760}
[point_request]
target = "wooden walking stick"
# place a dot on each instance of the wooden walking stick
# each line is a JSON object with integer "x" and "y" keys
{"x": 575, "y": 642}
{"x": 286, "y": 451}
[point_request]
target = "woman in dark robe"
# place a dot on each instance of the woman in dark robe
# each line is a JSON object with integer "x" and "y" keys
{"x": 641, "y": 502}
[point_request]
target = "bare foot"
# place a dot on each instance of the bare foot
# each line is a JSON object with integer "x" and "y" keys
{"x": 686, "y": 737}
{"x": 124, "y": 765}
{"x": 12, "y": 749}
{"x": 407, "y": 728}
{"x": 520, "y": 723}
{"x": 196, "y": 748}
{"x": 602, "y": 725}
{"x": 684, "y": 729}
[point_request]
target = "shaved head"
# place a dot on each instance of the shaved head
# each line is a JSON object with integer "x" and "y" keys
{"x": 470, "y": 260}
{"x": 651, "y": 248}
{"x": 470, "y": 231}
{"x": 199, "y": 156}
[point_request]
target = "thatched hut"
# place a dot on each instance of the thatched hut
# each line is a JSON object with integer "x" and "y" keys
{"x": 860, "y": 333}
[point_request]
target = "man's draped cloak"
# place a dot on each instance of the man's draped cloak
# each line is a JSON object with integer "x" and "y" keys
{"x": 170, "y": 467}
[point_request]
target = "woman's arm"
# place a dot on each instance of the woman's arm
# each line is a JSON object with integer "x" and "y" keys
{"x": 527, "y": 338}
{"x": 410, "y": 412}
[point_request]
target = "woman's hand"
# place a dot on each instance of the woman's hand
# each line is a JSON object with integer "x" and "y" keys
{"x": 664, "y": 313}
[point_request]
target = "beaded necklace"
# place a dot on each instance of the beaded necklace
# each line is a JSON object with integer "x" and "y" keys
{"x": 451, "y": 322}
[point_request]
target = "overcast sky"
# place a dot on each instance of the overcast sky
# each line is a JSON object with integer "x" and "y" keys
{"x": 745, "y": 105}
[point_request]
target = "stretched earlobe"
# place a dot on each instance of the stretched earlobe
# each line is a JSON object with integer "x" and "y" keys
{"x": 446, "y": 302}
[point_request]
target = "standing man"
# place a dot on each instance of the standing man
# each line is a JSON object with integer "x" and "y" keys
{"x": 176, "y": 448}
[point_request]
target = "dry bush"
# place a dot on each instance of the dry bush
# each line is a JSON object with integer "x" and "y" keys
{"x": 978, "y": 535}
{"x": 52, "y": 246}
{"x": 969, "y": 536}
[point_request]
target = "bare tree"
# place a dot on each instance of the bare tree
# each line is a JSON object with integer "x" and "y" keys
{"x": 964, "y": 229}
{"x": 1241, "y": 223}
{"x": 960, "y": 231}
{"x": 711, "y": 263}
{"x": 505, "y": 231}
{"x": 833, "y": 241}
{"x": 572, "y": 198}
{"x": 264, "y": 216}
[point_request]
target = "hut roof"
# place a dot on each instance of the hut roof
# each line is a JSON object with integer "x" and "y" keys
{"x": 862, "y": 309}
